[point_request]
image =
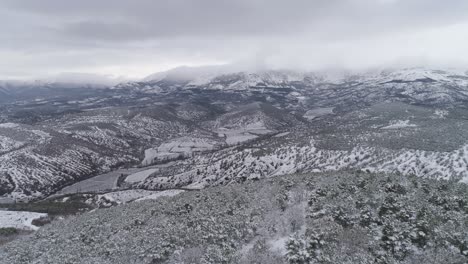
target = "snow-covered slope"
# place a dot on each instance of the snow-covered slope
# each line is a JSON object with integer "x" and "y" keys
{"x": 340, "y": 217}
{"x": 238, "y": 166}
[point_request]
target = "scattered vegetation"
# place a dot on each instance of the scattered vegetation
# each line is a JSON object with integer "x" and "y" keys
{"x": 54, "y": 208}
{"x": 8, "y": 231}
{"x": 344, "y": 217}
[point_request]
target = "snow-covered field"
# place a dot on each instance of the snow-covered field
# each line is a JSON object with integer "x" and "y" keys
{"x": 236, "y": 137}
{"x": 397, "y": 124}
{"x": 126, "y": 196}
{"x": 314, "y": 113}
{"x": 101, "y": 182}
{"x": 19, "y": 219}
{"x": 154, "y": 196}
{"x": 8, "y": 125}
{"x": 140, "y": 176}
{"x": 174, "y": 148}
{"x": 242, "y": 134}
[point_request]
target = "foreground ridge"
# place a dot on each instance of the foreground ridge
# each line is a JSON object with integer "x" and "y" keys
{"x": 343, "y": 217}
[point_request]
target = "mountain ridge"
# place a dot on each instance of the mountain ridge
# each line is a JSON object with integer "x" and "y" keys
{"x": 191, "y": 75}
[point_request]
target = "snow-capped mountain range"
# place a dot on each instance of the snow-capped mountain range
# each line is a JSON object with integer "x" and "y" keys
{"x": 223, "y": 78}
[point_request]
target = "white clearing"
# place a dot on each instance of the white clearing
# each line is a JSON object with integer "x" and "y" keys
{"x": 282, "y": 134}
{"x": 248, "y": 132}
{"x": 126, "y": 196}
{"x": 399, "y": 124}
{"x": 140, "y": 176}
{"x": 19, "y": 220}
{"x": 314, "y": 113}
{"x": 235, "y": 138}
{"x": 168, "y": 193}
{"x": 176, "y": 148}
{"x": 278, "y": 245}
{"x": 8, "y": 125}
{"x": 441, "y": 113}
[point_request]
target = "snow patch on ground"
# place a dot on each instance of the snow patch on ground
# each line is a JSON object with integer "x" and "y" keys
{"x": 140, "y": 176}
{"x": 278, "y": 245}
{"x": 98, "y": 183}
{"x": 126, "y": 196}
{"x": 282, "y": 134}
{"x": 248, "y": 132}
{"x": 168, "y": 193}
{"x": 317, "y": 112}
{"x": 184, "y": 146}
{"x": 235, "y": 138}
{"x": 399, "y": 124}
{"x": 8, "y": 125}
{"x": 19, "y": 220}
{"x": 441, "y": 113}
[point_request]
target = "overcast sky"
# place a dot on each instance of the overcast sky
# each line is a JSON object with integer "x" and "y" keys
{"x": 134, "y": 38}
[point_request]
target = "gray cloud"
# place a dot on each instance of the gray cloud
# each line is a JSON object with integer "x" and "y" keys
{"x": 137, "y": 37}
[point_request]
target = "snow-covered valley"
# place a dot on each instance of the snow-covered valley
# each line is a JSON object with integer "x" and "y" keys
{"x": 203, "y": 120}
{"x": 149, "y": 142}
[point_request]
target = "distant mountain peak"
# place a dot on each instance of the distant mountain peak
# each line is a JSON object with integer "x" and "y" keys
{"x": 225, "y": 77}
